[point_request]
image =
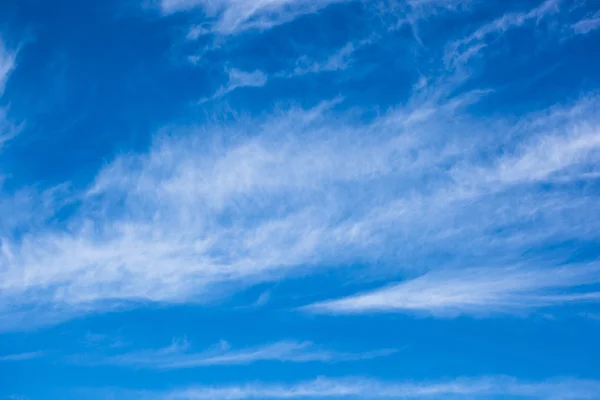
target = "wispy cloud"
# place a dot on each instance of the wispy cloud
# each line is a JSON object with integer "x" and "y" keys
{"x": 8, "y": 129}
{"x": 477, "y": 292}
{"x": 462, "y": 388}
{"x": 460, "y": 51}
{"x": 338, "y": 61}
{"x": 7, "y": 64}
{"x": 587, "y": 25}
{"x": 180, "y": 355}
{"x": 160, "y": 219}
{"x": 263, "y": 299}
{"x": 22, "y": 356}
{"x": 234, "y": 16}
{"x": 238, "y": 79}
{"x": 218, "y": 207}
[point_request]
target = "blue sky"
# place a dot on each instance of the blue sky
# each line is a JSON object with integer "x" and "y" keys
{"x": 299, "y": 199}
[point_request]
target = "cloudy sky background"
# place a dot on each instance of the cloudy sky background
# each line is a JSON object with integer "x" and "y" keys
{"x": 285, "y": 199}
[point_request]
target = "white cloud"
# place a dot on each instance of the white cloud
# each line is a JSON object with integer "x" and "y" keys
{"x": 460, "y": 51}
{"x": 587, "y": 25}
{"x": 321, "y": 388}
{"x": 22, "y": 356}
{"x": 179, "y": 355}
{"x": 239, "y": 79}
{"x": 338, "y": 61}
{"x": 225, "y": 207}
{"x": 234, "y": 16}
{"x": 8, "y": 129}
{"x": 7, "y": 64}
{"x": 475, "y": 292}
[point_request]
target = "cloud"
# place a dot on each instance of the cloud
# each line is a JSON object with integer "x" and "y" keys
{"x": 321, "y": 388}
{"x": 179, "y": 355}
{"x": 22, "y": 356}
{"x": 262, "y": 299}
{"x": 239, "y": 79}
{"x": 477, "y": 292}
{"x": 215, "y": 208}
{"x": 8, "y": 129}
{"x": 305, "y": 189}
{"x": 587, "y": 25}
{"x": 338, "y": 61}
{"x": 460, "y": 51}
{"x": 230, "y": 17}
{"x": 7, "y": 64}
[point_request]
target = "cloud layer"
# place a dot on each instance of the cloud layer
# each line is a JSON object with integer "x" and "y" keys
{"x": 300, "y": 189}
{"x": 322, "y": 388}
{"x": 215, "y": 208}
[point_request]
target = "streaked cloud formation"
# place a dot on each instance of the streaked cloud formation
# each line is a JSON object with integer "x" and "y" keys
{"x": 476, "y": 292}
{"x": 481, "y": 388}
{"x": 179, "y": 355}
{"x": 7, "y": 63}
{"x": 235, "y": 16}
{"x": 22, "y": 356}
{"x": 160, "y": 232}
{"x": 239, "y": 79}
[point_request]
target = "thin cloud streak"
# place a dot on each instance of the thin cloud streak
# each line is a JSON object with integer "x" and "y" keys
{"x": 7, "y": 64}
{"x": 179, "y": 355}
{"x": 460, "y": 51}
{"x": 478, "y": 292}
{"x": 22, "y": 356}
{"x": 239, "y": 79}
{"x": 8, "y": 129}
{"x": 231, "y": 17}
{"x": 356, "y": 387}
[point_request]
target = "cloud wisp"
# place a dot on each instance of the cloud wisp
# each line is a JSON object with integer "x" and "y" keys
{"x": 478, "y": 292}
{"x": 460, "y": 51}
{"x": 7, "y": 64}
{"x": 587, "y": 25}
{"x": 8, "y": 129}
{"x": 229, "y": 17}
{"x": 179, "y": 355}
{"x": 22, "y": 356}
{"x": 347, "y": 388}
{"x": 239, "y": 79}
